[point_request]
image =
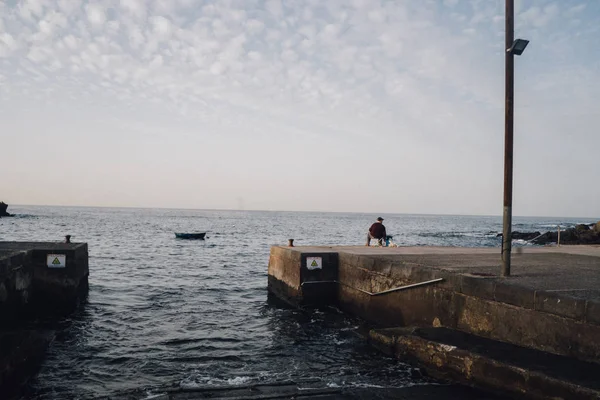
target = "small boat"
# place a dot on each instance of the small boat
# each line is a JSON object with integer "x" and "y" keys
{"x": 190, "y": 235}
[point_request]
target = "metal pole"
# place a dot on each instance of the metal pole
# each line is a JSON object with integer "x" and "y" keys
{"x": 508, "y": 140}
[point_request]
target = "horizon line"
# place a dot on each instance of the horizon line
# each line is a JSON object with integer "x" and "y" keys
{"x": 300, "y": 211}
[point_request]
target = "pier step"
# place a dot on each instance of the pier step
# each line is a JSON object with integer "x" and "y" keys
{"x": 293, "y": 390}
{"x": 486, "y": 363}
{"x": 254, "y": 392}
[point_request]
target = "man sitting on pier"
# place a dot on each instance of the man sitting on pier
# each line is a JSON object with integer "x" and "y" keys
{"x": 377, "y": 231}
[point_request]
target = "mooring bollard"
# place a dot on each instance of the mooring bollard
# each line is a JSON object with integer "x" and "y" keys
{"x": 290, "y": 242}
{"x": 67, "y": 238}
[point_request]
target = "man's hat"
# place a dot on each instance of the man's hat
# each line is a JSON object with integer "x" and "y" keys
{"x": 379, "y": 219}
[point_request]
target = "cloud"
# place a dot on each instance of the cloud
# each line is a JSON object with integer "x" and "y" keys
{"x": 254, "y": 26}
{"x": 274, "y": 7}
{"x": 412, "y": 75}
{"x": 136, "y": 8}
{"x": 96, "y": 14}
{"x": 161, "y": 26}
{"x": 8, "y": 44}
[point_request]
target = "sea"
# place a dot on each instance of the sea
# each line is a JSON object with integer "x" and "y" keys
{"x": 195, "y": 313}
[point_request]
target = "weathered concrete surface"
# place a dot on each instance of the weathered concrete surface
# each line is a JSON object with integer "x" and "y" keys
{"x": 487, "y": 363}
{"x": 23, "y": 268}
{"x": 288, "y": 275}
{"x": 16, "y": 276}
{"x": 29, "y": 289}
{"x": 551, "y": 302}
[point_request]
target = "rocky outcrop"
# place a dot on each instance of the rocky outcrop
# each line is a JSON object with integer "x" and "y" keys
{"x": 522, "y": 235}
{"x": 580, "y": 234}
{"x": 3, "y": 212}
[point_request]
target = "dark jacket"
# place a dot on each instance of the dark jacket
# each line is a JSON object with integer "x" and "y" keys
{"x": 377, "y": 230}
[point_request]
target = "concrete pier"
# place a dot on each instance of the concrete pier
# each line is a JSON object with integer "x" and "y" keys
{"x": 550, "y": 304}
{"x": 40, "y": 275}
{"x": 37, "y": 279}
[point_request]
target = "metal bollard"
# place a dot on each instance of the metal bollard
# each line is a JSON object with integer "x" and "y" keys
{"x": 67, "y": 238}
{"x": 290, "y": 242}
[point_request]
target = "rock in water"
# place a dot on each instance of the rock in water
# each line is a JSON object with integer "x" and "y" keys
{"x": 581, "y": 234}
{"x": 3, "y": 207}
{"x": 525, "y": 235}
{"x": 582, "y": 227}
{"x": 522, "y": 235}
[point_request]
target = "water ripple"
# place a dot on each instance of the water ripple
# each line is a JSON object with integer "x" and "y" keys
{"x": 162, "y": 310}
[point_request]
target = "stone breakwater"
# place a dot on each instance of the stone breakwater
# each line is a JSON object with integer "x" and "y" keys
{"x": 40, "y": 280}
{"x": 450, "y": 311}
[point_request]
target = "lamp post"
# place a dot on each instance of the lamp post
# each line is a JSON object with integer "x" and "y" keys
{"x": 513, "y": 47}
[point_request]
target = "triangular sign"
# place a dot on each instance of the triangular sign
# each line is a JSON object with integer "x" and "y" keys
{"x": 314, "y": 264}
{"x": 56, "y": 261}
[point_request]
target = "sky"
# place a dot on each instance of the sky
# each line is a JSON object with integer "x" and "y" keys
{"x": 309, "y": 105}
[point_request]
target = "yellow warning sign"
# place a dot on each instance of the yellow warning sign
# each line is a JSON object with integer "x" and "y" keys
{"x": 56, "y": 260}
{"x": 314, "y": 263}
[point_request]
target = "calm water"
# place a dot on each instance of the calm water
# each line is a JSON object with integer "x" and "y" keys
{"x": 162, "y": 310}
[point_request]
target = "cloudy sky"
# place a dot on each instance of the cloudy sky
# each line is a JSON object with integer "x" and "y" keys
{"x": 337, "y": 105}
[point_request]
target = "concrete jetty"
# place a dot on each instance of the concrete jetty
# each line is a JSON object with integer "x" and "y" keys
{"x": 449, "y": 309}
{"x": 37, "y": 279}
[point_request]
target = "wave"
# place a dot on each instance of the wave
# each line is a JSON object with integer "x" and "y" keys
{"x": 445, "y": 235}
{"x": 24, "y": 216}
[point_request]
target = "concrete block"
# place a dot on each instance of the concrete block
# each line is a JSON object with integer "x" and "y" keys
{"x": 354, "y": 278}
{"x": 3, "y": 292}
{"x": 447, "y": 306}
{"x": 513, "y": 294}
{"x": 22, "y": 278}
{"x": 328, "y": 270}
{"x": 554, "y": 303}
{"x": 419, "y": 274}
{"x": 354, "y": 302}
{"x": 284, "y": 292}
{"x": 32, "y": 287}
{"x": 365, "y": 262}
{"x": 592, "y": 312}
{"x": 60, "y": 286}
{"x": 284, "y": 270}
{"x": 478, "y": 303}
{"x": 493, "y": 365}
{"x": 478, "y": 287}
{"x": 451, "y": 281}
{"x": 380, "y": 283}
{"x": 382, "y": 266}
{"x": 350, "y": 259}
{"x": 401, "y": 270}
{"x": 529, "y": 328}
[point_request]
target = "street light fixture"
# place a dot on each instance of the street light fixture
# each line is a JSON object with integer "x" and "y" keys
{"x": 513, "y": 47}
{"x": 518, "y": 47}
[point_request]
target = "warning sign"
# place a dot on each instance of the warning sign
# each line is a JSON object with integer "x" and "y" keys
{"x": 314, "y": 263}
{"x": 56, "y": 260}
